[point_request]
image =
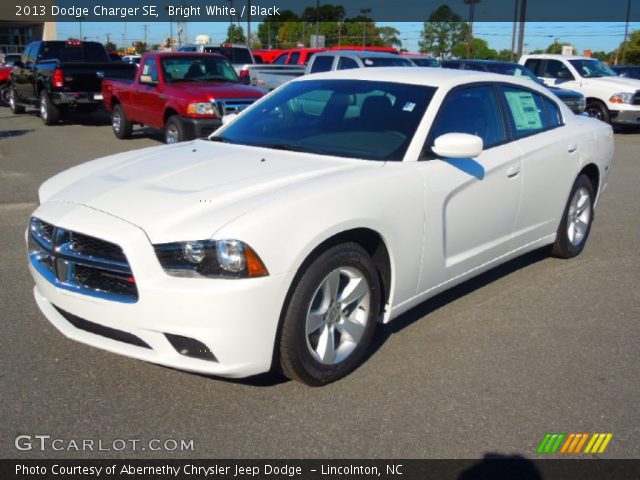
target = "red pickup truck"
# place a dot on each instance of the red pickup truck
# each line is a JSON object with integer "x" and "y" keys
{"x": 184, "y": 94}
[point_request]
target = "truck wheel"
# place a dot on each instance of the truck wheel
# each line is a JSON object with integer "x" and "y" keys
{"x": 122, "y": 127}
{"x": 331, "y": 317}
{"x": 49, "y": 113}
{"x": 174, "y": 131}
{"x": 13, "y": 102}
{"x": 597, "y": 109}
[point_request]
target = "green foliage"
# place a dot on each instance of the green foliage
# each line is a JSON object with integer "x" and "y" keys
{"x": 442, "y": 31}
{"x": 110, "y": 47}
{"x": 235, "y": 34}
{"x": 269, "y": 28}
{"x": 505, "y": 55}
{"x": 632, "y": 50}
{"x": 140, "y": 47}
{"x": 556, "y": 47}
{"x": 480, "y": 50}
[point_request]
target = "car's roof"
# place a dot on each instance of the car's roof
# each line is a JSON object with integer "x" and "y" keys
{"x": 185, "y": 54}
{"x": 433, "y": 77}
{"x": 360, "y": 53}
{"x": 557, "y": 56}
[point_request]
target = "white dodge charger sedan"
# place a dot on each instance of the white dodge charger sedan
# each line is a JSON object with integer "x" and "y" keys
{"x": 336, "y": 202}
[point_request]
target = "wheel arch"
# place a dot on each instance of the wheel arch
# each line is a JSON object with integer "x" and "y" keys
{"x": 592, "y": 171}
{"x": 168, "y": 112}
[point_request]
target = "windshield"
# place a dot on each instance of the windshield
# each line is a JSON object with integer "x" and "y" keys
{"x": 425, "y": 62}
{"x": 592, "y": 68}
{"x": 387, "y": 62}
{"x": 204, "y": 68}
{"x": 347, "y": 118}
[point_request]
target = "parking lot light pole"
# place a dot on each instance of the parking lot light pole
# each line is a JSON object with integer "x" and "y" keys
{"x": 364, "y": 12}
{"x": 472, "y": 9}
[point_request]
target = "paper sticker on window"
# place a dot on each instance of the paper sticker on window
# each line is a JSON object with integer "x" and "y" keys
{"x": 525, "y": 111}
{"x": 408, "y": 107}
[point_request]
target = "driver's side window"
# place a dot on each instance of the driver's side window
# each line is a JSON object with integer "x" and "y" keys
{"x": 557, "y": 69}
{"x": 149, "y": 68}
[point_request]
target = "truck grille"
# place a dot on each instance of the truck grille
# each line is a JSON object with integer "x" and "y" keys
{"x": 636, "y": 98}
{"x": 233, "y": 105}
{"x": 81, "y": 263}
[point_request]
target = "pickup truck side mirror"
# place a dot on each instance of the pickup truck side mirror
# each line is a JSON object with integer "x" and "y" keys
{"x": 147, "y": 80}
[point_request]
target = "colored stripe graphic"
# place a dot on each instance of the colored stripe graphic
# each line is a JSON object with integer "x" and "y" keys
{"x": 573, "y": 443}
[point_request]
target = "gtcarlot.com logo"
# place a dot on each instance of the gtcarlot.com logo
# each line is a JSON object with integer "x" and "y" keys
{"x": 49, "y": 443}
{"x": 574, "y": 443}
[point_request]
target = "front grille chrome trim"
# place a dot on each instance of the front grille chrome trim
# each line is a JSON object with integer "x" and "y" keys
{"x": 56, "y": 259}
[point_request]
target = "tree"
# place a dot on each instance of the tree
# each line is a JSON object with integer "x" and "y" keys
{"x": 442, "y": 31}
{"x": 110, "y": 47}
{"x": 556, "y": 47}
{"x": 389, "y": 36}
{"x": 268, "y": 30}
{"x": 481, "y": 50}
{"x": 505, "y": 55}
{"x": 632, "y": 49}
{"x": 140, "y": 47}
{"x": 235, "y": 34}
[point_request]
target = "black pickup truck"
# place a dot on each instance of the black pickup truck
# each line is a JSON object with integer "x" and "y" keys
{"x": 56, "y": 76}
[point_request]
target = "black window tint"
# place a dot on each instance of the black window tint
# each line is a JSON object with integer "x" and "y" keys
{"x": 527, "y": 114}
{"x": 553, "y": 117}
{"x": 534, "y": 65}
{"x": 345, "y": 63}
{"x": 557, "y": 69}
{"x": 295, "y": 57}
{"x": 450, "y": 64}
{"x": 472, "y": 110}
{"x": 322, "y": 64}
{"x": 281, "y": 59}
{"x": 474, "y": 66}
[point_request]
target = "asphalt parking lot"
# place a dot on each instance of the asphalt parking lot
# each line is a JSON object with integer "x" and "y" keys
{"x": 538, "y": 345}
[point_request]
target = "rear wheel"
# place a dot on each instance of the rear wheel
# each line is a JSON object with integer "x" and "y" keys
{"x": 49, "y": 113}
{"x": 122, "y": 127}
{"x": 597, "y": 109}
{"x": 575, "y": 226}
{"x": 4, "y": 94}
{"x": 13, "y": 102}
{"x": 331, "y": 316}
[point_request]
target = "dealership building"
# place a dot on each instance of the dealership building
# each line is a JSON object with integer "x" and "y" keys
{"x": 15, "y": 35}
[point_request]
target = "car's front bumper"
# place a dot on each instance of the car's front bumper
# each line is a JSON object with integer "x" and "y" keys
{"x": 626, "y": 117}
{"x": 200, "y": 127}
{"x": 236, "y": 320}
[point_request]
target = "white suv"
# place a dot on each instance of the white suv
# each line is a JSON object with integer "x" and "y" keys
{"x": 610, "y": 98}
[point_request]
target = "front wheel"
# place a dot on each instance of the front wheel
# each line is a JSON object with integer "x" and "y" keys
{"x": 49, "y": 113}
{"x": 13, "y": 102}
{"x": 174, "y": 131}
{"x": 597, "y": 109}
{"x": 331, "y": 317}
{"x": 122, "y": 127}
{"x": 5, "y": 93}
{"x": 575, "y": 225}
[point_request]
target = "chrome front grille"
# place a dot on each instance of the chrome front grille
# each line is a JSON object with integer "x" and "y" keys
{"x": 233, "y": 105}
{"x": 81, "y": 263}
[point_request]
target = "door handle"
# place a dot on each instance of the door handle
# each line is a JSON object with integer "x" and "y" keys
{"x": 572, "y": 148}
{"x": 513, "y": 172}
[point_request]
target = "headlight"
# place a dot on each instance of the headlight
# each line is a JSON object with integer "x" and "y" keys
{"x": 210, "y": 258}
{"x": 624, "y": 97}
{"x": 204, "y": 108}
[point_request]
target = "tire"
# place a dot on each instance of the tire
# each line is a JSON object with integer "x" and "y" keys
{"x": 577, "y": 218}
{"x": 597, "y": 109}
{"x": 174, "y": 131}
{"x": 13, "y": 102}
{"x": 4, "y": 95}
{"x": 122, "y": 127}
{"x": 49, "y": 113}
{"x": 317, "y": 317}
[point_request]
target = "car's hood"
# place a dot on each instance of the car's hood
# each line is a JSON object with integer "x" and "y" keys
{"x": 214, "y": 90}
{"x": 621, "y": 84}
{"x": 189, "y": 190}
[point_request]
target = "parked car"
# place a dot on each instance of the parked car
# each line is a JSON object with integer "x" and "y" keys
{"x": 57, "y": 76}
{"x": 421, "y": 60}
{"x": 610, "y": 98}
{"x": 269, "y": 76}
{"x": 9, "y": 59}
{"x": 296, "y": 56}
{"x": 5, "y": 74}
{"x": 266, "y": 55}
{"x": 630, "y": 71}
{"x": 184, "y": 94}
{"x": 574, "y": 100}
{"x": 347, "y": 59}
{"x": 238, "y": 55}
{"x": 336, "y": 202}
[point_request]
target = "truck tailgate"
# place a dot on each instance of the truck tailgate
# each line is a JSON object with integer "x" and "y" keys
{"x": 87, "y": 77}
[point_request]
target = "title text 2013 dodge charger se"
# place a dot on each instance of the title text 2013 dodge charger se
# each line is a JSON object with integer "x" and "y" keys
{"x": 337, "y": 201}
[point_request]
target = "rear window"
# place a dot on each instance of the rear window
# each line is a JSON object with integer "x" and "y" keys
{"x": 233, "y": 54}
{"x": 322, "y": 64}
{"x": 73, "y": 52}
{"x": 386, "y": 62}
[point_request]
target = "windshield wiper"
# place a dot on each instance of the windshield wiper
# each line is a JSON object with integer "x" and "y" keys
{"x": 281, "y": 146}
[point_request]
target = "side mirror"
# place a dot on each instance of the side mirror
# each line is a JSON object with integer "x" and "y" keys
{"x": 458, "y": 145}
{"x": 228, "y": 118}
{"x": 147, "y": 80}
